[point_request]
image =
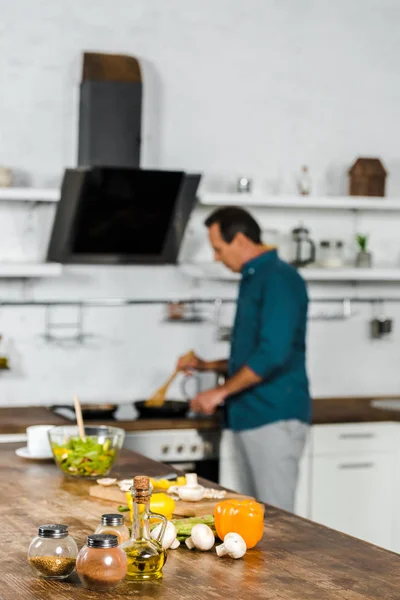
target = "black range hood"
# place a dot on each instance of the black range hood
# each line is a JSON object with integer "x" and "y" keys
{"x": 111, "y": 215}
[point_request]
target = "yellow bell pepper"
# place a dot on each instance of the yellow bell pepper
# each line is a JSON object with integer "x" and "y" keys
{"x": 245, "y": 517}
{"x": 159, "y": 503}
{"x": 165, "y": 484}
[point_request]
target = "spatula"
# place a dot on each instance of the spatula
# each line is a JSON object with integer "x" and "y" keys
{"x": 158, "y": 398}
{"x": 79, "y": 418}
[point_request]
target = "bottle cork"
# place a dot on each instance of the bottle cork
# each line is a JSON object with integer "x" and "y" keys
{"x": 141, "y": 483}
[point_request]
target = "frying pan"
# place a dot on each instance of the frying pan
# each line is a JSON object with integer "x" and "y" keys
{"x": 93, "y": 411}
{"x": 171, "y": 409}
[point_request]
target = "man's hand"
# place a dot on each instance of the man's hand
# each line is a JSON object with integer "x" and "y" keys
{"x": 190, "y": 362}
{"x": 207, "y": 402}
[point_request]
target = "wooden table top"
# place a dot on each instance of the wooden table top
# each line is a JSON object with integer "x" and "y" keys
{"x": 296, "y": 560}
{"x": 16, "y": 420}
{"x": 325, "y": 410}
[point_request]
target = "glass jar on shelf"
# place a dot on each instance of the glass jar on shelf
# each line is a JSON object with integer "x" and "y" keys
{"x": 114, "y": 524}
{"x": 52, "y": 553}
{"x": 331, "y": 254}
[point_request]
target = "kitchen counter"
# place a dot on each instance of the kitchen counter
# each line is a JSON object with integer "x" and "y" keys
{"x": 296, "y": 560}
{"x": 325, "y": 410}
{"x": 352, "y": 410}
{"x": 16, "y": 420}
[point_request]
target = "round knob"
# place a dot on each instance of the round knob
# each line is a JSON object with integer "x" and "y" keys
{"x": 194, "y": 449}
{"x": 179, "y": 449}
{"x": 165, "y": 449}
{"x": 208, "y": 448}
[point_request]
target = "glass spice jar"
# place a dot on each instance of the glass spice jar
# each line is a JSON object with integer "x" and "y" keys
{"x": 101, "y": 564}
{"x": 52, "y": 553}
{"x": 114, "y": 524}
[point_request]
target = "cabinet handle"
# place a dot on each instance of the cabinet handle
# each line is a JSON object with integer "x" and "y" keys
{"x": 359, "y": 436}
{"x": 366, "y": 465}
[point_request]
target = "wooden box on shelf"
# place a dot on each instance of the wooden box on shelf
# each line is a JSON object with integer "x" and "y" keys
{"x": 367, "y": 177}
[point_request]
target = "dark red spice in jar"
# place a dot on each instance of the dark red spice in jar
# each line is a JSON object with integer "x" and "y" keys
{"x": 101, "y": 565}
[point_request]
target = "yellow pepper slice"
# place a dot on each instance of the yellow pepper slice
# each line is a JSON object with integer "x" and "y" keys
{"x": 160, "y": 503}
{"x": 165, "y": 484}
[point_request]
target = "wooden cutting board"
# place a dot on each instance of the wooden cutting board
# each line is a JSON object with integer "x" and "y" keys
{"x": 182, "y": 509}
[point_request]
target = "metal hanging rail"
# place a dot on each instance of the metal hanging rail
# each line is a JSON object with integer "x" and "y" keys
{"x": 116, "y": 302}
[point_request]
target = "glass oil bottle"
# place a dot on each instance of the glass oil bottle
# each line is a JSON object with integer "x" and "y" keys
{"x": 146, "y": 557}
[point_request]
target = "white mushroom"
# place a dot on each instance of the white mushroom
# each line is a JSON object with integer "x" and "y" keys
{"x": 201, "y": 538}
{"x": 234, "y": 546}
{"x": 192, "y": 491}
{"x": 125, "y": 484}
{"x": 106, "y": 481}
{"x": 169, "y": 538}
{"x": 175, "y": 544}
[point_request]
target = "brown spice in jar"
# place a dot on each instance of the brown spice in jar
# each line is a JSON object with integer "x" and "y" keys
{"x": 53, "y": 566}
{"x": 101, "y": 568}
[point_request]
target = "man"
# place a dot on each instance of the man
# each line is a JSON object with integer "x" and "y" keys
{"x": 266, "y": 393}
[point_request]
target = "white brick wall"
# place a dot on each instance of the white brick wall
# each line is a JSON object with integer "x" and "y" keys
{"x": 255, "y": 87}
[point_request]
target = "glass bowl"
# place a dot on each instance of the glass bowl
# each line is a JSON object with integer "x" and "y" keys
{"x": 92, "y": 457}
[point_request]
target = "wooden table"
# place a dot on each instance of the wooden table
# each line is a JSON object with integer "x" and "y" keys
{"x": 296, "y": 560}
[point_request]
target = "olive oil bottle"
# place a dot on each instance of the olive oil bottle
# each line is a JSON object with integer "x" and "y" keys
{"x": 146, "y": 557}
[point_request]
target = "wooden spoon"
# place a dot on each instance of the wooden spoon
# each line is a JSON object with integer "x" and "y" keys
{"x": 158, "y": 398}
{"x": 79, "y": 418}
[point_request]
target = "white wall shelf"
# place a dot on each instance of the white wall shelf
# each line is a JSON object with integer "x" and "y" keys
{"x": 28, "y": 270}
{"x": 216, "y": 272}
{"x": 22, "y": 194}
{"x": 302, "y": 202}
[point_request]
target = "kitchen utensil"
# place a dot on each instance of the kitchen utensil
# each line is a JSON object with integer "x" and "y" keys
{"x": 182, "y": 509}
{"x": 91, "y": 457}
{"x": 304, "y": 251}
{"x": 171, "y": 409}
{"x": 91, "y": 411}
{"x": 24, "y": 453}
{"x": 243, "y": 185}
{"x": 79, "y": 418}
{"x": 158, "y": 397}
{"x": 380, "y": 325}
{"x": 331, "y": 254}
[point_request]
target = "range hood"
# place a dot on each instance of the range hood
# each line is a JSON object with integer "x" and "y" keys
{"x": 111, "y": 211}
{"x": 112, "y": 215}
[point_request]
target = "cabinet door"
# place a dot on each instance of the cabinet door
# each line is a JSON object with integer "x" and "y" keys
{"x": 354, "y": 494}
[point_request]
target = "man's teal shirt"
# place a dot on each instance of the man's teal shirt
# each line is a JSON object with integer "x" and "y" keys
{"x": 269, "y": 337}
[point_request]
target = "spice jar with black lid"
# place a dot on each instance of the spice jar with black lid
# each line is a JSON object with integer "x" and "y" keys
{"x": 114, "y": 524}
{"x": 52, "y": 553}
{"x": 101, "y": 564}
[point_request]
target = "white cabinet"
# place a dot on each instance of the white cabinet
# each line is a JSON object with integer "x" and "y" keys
{"x": 353, "y": 479}
{"x": 354, "y": 493}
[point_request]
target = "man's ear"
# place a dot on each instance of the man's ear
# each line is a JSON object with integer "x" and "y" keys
{"x": 240, "y": 239}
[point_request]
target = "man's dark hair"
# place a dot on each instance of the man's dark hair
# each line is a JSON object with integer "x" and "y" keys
{"x": 233, "y": 220}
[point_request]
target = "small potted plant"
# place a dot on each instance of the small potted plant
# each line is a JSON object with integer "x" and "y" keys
{"x": 363, "y": 257}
